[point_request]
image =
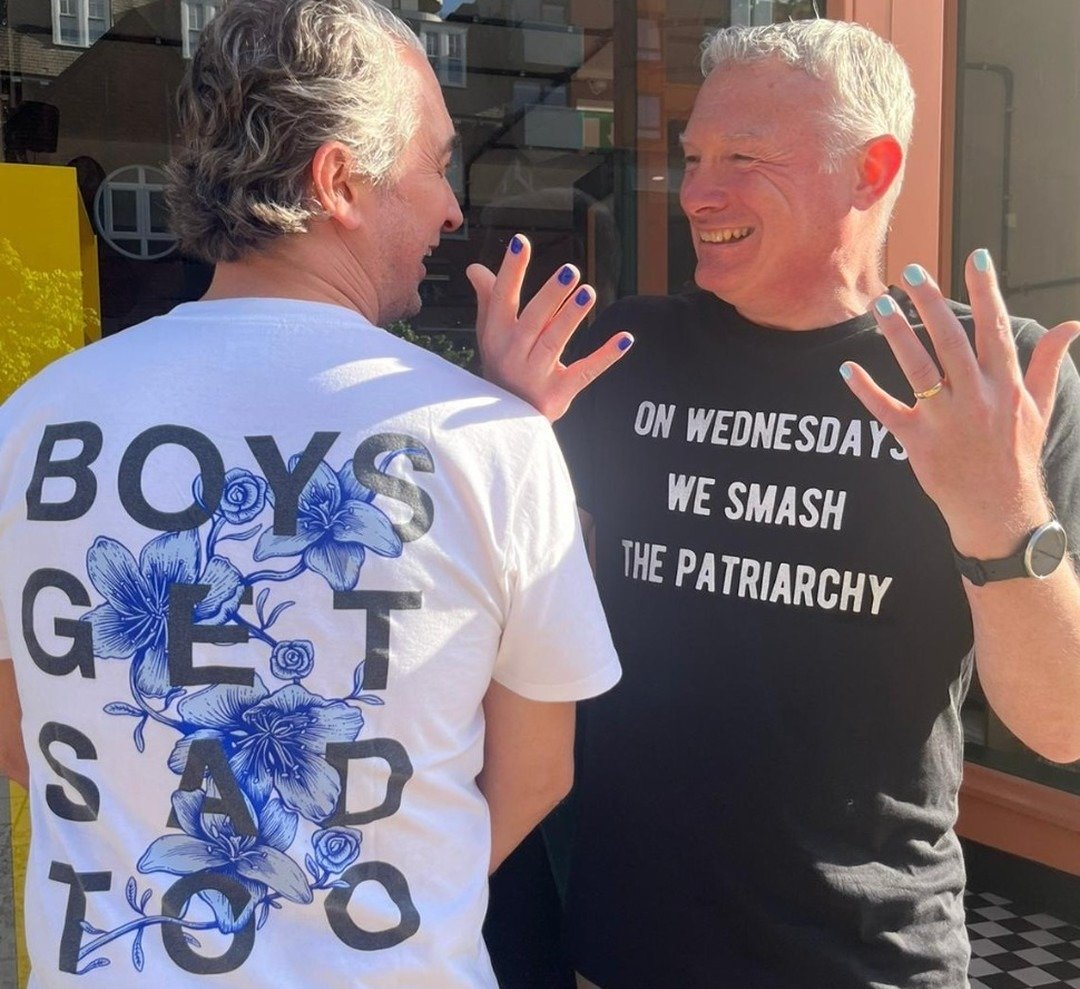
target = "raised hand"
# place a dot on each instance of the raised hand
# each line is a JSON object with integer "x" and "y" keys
{"x": 521, "y": 349}
{"x": 975, "y": 434}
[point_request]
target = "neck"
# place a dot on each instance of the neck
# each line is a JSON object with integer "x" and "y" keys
{"x": 824, "y": 291}
{"x": 297, "y": 267}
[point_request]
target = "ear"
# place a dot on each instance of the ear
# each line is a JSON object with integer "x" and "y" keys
{"x": 340, "y": 192}
{"x": 879, "y": 164}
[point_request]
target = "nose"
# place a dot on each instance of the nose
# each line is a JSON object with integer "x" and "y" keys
{"x": 704, "y": 190}
{"x": 454, "y": 216}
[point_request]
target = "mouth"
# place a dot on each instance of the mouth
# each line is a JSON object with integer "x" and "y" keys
{"x": 725, "y": 235}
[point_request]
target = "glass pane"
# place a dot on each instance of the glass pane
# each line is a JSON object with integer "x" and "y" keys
{"x": 159, "y": 214}
{"x": 1015, "y": 193}
{"x": 69, "y": 30}
{"x": 124, "y": 210}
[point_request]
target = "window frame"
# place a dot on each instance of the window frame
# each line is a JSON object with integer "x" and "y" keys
{"x": 441, "y": 60}
{"x": 79, "y": 10}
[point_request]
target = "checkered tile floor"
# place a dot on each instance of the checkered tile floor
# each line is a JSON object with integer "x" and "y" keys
{"x": 1011, "y": 949}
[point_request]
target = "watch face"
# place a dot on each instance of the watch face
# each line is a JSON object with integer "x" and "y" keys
{"x": 1046, "y": 550}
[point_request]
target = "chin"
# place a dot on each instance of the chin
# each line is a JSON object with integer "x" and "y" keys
{"x": 402, "y": 309}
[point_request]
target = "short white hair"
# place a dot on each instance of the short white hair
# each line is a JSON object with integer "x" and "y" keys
{"x": 871, "y": 85}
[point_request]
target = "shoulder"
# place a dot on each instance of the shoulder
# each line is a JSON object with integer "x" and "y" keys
{"x": 644, "y": 312}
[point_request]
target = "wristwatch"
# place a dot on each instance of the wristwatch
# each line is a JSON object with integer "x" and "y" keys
{"x": 1039, "y": 556}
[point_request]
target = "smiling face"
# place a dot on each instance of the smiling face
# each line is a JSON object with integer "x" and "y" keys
{"x": 418, "y": 206}
{"x": 771, "y": 227}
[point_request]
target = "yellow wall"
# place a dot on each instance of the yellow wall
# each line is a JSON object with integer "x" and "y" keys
{"x": 49, "y": 301}
{"x": 49, "y": 305}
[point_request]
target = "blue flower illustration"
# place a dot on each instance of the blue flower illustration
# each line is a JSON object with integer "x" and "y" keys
{"x": 210, "y": 844}
{"x": 293, "y": 659}
{"x": 335, "y": 525}
{"x": 272, "y": 740}
{"x": 335, "y": 848}
{"x": 132, "y": 622}
{"x": 243, "y": 497}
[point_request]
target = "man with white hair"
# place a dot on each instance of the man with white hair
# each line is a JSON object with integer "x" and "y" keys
{"x": 768, "y": 799}
{"x": 384, "y": 549}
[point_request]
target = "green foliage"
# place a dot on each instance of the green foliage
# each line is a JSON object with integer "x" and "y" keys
{"x": 42, "y": 317}
{"x": 437, "y": 343}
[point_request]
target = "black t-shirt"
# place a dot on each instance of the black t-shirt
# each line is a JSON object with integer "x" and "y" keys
{"x": 767, "y": 799}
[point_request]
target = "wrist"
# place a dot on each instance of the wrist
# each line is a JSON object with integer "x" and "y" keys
{"x": 997, "y": 537}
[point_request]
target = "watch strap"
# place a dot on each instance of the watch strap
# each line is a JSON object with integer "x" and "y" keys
{"x": 1018, "y": 564}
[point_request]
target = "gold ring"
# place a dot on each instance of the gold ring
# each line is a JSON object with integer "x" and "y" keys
{"x": 931, "y": 392}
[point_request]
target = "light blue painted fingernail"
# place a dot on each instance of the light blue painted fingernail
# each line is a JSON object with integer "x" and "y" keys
{"x": 845, "y": 371}
{"x": 914, "y": 274}
{"x": 981, "y": 259}
{"x": 885, "y": 306}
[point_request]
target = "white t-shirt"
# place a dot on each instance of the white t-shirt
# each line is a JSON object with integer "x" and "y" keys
{"x": 298, "y": 766}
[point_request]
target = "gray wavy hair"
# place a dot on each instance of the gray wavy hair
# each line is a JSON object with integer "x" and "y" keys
{"x": 271, "y": 81}
{"x": 871, "y": 84}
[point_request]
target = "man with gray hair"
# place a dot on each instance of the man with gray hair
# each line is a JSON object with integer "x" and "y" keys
{"x": 768, "y": 799}
{"x": 383, "y": 548}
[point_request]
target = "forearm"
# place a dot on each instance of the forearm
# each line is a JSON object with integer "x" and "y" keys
{"x": 1027, "y": 649}
{"x": 528, "y": 764}
{"x": 517, "y": 806}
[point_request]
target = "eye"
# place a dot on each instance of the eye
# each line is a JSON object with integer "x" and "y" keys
{"x": 691, "y": 159}
{"x": 743, "y": 158}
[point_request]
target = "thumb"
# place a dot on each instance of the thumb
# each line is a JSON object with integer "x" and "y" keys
{"x": 1042, "y": 373}
{"x": 482, "y": 280}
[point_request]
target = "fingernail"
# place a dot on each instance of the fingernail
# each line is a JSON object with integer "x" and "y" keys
{"x": 981, "y": 259}
{"x": 885, "y": 306}
{"x": 583, "y": 297}
{"x": 625, "y": 343}
{"x": 566, "y": 275}
{"x": 845, "y": 371}
{"x": 914, "y": 275}
{"x": 516, "y": 244}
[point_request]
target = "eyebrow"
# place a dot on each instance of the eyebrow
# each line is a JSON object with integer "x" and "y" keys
{"x": 453, "y": 143}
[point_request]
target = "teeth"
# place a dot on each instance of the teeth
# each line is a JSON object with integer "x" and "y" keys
{"x": 726, "y": 235}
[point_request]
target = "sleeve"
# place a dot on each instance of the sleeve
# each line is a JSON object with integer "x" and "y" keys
{"x": 1061, "y": 454}
{"x": 5, "y": 641}
{"x": 555, "y": 644}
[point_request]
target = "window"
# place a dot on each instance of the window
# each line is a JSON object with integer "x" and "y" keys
{"x": 445, "y": 45}
{"x": 79, "y": 23}
{"x": 196, "y": 14}
{"x": 130, "y": 213}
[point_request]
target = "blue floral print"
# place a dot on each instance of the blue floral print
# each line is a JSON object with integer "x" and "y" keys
{"x": 292, "y": 660}
{"x": 274, "y": 741}
{"x": 335, "y": 525}
{"x": 131, "y": 622}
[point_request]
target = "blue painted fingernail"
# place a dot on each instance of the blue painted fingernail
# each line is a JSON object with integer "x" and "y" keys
{"x": 885, "y": 306}
{"x": 914, "y": 275}
{"x": 583, "y": 297}
{"x": 845, "y": 371}
{"x": 981, "y": 259}
{"x": 516, "y": 244}
{"x": 625, "y": 343}
{"x": 566, "y": 275}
